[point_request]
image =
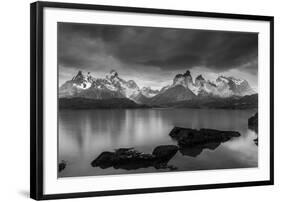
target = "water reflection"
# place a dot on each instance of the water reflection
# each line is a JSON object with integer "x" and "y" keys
{"x": 84, "y": 134}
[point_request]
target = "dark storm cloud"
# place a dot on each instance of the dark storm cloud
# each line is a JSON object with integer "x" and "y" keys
{"x": 83, "y": 45}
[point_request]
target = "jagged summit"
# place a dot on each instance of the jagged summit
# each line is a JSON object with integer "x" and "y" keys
{"x": 199, "y": 84}
{"x": 83, "y": 81}
{"x": 187, "y": 73}
{"x": 184, "y": 79}
{"x": 113, "y": 72}
{"x": 79, "y": 75}
{"x": 200, "y": 77}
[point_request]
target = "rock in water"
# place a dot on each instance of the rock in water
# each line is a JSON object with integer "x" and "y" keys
{"x": 197, "y": 150}
{"x": 104, "y": 160}
{"x": 192, "y": 137}
{"x": 62, "y": 166}
{"x": 165, "y": 152}
{"x": 256, "y": 141}
{"x": 130, "y": 159}
{"x": 253, "y": 123}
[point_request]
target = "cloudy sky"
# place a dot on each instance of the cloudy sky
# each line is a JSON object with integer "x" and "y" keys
{"x": 153, "y": 56}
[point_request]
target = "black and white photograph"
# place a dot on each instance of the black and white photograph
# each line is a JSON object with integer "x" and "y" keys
{"x": 135, "y": 99}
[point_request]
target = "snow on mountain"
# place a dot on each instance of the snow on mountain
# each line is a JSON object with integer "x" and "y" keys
{"x": 183, "y": 79}
{"x": 230, "y": 86}
{"x": 76, "y": 85}
{"x": 82, "y": 81}
{"x": 163, "y": 89}
{"x": 202, "y": 87}
{"x": 148, "y": 92}
{"x": 222, "y": 87}
{"x": 182, "y": 87}
{"x": 128, "y": 88}
{"x": 90, "y": 87}
{"x": 186, "y": 81}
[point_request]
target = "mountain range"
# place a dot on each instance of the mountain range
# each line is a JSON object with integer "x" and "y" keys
{"x": 182, "y": 92}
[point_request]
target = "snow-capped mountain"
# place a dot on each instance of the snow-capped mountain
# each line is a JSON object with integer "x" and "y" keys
{"x": 82, "y": 81}
{"x": 76, "y": 85}
{"x": 232, "y": 86}
{"x": 127, "y": 88}
{"x": 183, "y": 79}
{"x": 222, "y": 87}
{"x": 186, "y": 81}
{"x": 112, "y": 86}
{"x": 182, "y": 88}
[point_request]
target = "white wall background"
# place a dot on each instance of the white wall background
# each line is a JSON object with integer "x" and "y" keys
{"x": 14, "y": 100}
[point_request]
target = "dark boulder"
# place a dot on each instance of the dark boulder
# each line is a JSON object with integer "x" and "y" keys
{"x": 192, "y": 137}
{"x": 253, "y": 123}
{"x": 196, "y": 150}
{"x": 256, "y": 141}
{"x": 165, "y": 152}
{"x": 62, "y": 166}
{"x": 131, "y": 159}
{"x": 105, "y": 160}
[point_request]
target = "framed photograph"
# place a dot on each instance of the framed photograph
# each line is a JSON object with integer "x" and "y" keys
{"x": 134, "y": 100}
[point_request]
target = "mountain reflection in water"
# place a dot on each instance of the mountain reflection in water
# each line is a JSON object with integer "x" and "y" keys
{"x": 85, "y": 134}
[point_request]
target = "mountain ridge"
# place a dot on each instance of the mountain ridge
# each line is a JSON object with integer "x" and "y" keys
{"x": 182, "y": 89}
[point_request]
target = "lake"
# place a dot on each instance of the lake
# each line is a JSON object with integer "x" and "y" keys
{"x": 84, "y": 134}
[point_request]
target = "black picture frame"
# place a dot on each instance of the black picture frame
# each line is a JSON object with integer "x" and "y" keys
{"x": 36, "y": 98}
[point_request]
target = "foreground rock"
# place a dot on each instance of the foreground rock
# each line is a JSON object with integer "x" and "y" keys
{"x": 131, "y": 159}
{"x": 197, "y": 150}
{"x": 256, "y": 141}
{"x": 187, "y": 137}
{"x": 62, "y": 166}
{"x": 253, "y": 123}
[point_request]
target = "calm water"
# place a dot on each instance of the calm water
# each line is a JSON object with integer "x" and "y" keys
{"x": 84, "y": 134}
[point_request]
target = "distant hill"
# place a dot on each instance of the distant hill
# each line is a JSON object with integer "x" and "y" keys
{"x": 246, "y": 102}
{"x": 85, "y": 103}
{"x": 174, "y": 94}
